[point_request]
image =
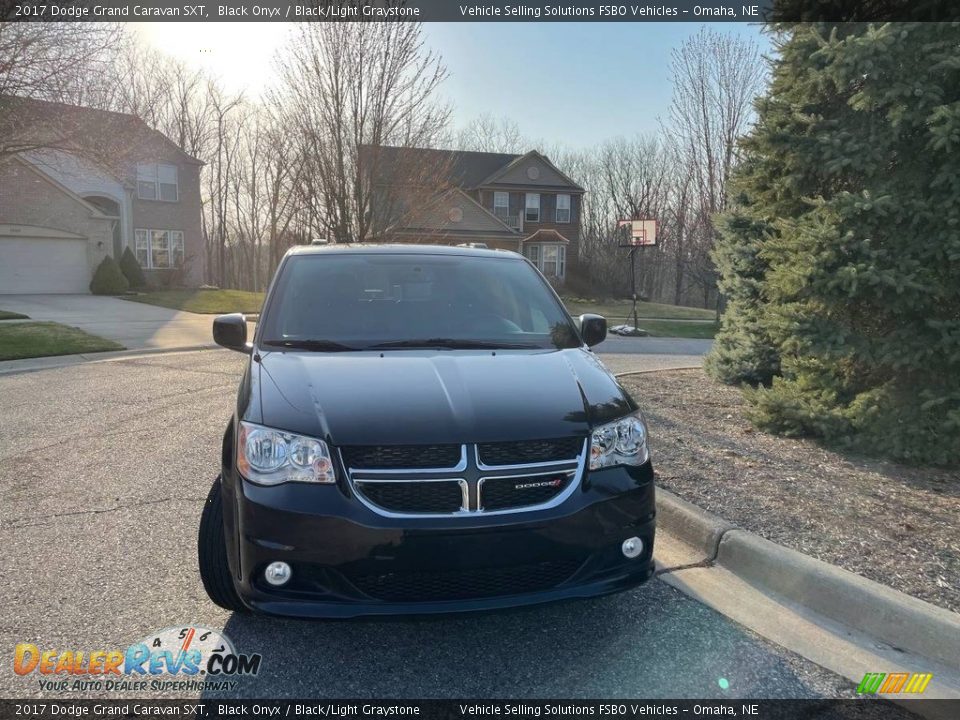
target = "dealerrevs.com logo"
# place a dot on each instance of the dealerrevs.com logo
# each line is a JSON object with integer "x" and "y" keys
{"x": 176, "y": 658}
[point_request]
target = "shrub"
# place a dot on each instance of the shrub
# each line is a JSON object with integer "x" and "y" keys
{"x": 131, "y": 269}
{"x": 853, "y": 280}
{"x": 578, "y": 284}
{"x": 108, "y": 279}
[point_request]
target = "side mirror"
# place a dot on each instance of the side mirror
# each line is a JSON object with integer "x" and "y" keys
{"x": 230, "y": 331}
{"x": 593, "y": 329}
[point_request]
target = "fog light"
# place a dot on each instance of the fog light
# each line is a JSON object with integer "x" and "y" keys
{"x": 277, "y": 573}
{"x": 632, "y": 547}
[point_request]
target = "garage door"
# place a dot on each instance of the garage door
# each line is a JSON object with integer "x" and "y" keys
{"x": 43, "y": 265}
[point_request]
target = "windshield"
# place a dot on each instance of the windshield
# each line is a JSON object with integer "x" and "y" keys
{"x": 335, "y": 302}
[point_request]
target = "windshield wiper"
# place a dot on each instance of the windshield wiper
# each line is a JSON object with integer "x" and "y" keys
{"x": 312, "y": 345}
{"x": 453, "y": 344}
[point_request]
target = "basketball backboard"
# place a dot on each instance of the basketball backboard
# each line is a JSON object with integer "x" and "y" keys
{"x": 635, "y": 233}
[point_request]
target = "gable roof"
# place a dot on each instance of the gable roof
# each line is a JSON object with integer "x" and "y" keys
{"x": 548, "y": 235}
{"x": 500, "y": 173}
{"x": 57, "y": 185}
{"x": 43, "y": 122}
{"x": 437, "y": 216}
{"x": 461, "y": 168}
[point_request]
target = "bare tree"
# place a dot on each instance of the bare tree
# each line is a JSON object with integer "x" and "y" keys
{"x": 624, "y": 178}
{"x": 715, "y": 79}
{"x": 50, "y": 61}
{"x": 346, "y": 86}
{"x": 222, "y": 159}
{"x": 489, "y": 134}
{"x": 54, "y": 60}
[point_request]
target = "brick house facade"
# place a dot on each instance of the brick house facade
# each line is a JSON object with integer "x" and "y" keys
{"x": 522, "y": 203}
{"x": 114, "y": 183}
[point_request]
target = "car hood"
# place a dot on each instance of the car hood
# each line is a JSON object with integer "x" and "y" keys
{"x": 424, "y": 397}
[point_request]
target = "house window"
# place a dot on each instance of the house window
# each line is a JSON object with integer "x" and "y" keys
{"x": 533, "y": 208}
{"x": 157, "y": 249}
{"x": 142, "y": 248}
{"x": 501, "y": 204}
{"x": 563, "y": 208}
{"x": 550, "y": 258}
{"x": 157, "y": 181}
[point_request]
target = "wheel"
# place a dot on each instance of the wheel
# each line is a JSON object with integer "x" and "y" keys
{"x": 212, "y": 554}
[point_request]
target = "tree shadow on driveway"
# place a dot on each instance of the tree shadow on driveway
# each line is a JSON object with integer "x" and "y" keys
{"x": 650, "y": 642}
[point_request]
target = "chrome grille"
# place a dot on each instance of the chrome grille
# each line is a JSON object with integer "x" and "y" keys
{"x": 388, "y": 457}
{"x": 529, "y": 451}
{"x": 517, "y": 491}
{"x": 431, "y": 498}
{"x": 459, "y": 480}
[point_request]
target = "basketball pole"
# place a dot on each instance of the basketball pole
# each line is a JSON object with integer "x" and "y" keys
{"x": 633, "y": 282}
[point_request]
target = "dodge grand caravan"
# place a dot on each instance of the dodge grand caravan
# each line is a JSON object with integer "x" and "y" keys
{"x": 423, "y": 429}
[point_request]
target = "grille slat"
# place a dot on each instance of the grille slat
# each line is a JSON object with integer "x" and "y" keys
{"x": 529, "y": 451}
{"x": 516, "y": 492}
{"x": 401, "y": 457}
{"x": 502, "y": 484}
{"x": 465, "y": 584}
{"x": 414, "y": 497}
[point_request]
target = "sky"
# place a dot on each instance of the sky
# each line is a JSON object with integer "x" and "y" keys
{"x": 568, "y": 83}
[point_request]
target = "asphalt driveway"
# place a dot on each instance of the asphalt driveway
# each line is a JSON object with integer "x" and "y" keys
{"x": 104, "y": 468}
{"x": 136, "y": 326}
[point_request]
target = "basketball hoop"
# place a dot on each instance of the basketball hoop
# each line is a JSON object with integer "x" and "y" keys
{"x": 637, "y": 233}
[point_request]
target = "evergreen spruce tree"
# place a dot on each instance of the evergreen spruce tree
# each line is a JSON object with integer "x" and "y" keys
{"x": 853, "y": 171}
{"x": 131, "y": 269}
{"x": 108, "y": 279}
{"x": 743, "y": 351}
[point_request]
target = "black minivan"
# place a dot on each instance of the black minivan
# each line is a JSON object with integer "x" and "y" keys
{"x": 423, "y": 429}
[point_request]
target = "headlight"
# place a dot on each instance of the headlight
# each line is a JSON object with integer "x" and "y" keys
{"x": 270, "y": 457}
{"x": 623, "y": 442}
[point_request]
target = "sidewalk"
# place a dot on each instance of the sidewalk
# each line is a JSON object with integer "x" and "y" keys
{"x": 9, "y": 367}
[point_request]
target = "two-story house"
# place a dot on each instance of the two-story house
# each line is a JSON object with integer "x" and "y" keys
{"x": 83, "y": 184}
{"x": 522, "y": 203}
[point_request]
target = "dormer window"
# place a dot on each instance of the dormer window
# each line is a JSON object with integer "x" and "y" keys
{"x": 532, "y": 213}
{"x": 563, "y": 208}
{"x": 157, "y": 181}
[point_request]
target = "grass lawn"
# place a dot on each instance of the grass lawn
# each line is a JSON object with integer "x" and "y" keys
{"x": 622, "y": 309}
{"x": 214, "y": 302}
{"x": 668, "y": 328}
{"x": 7, "y": 315}
{"x": 40, "y": 339}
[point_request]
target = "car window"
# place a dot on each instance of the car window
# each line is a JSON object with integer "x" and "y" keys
{"x": 363, "y": 300}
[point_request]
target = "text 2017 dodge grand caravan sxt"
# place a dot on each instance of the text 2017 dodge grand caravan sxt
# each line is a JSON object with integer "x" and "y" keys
{"x": 423, "y": 429}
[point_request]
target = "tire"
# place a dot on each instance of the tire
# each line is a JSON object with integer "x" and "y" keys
{"x": 212, "y": 554}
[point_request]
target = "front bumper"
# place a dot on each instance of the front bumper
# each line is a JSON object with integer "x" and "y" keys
{"x": 349, "y": 561}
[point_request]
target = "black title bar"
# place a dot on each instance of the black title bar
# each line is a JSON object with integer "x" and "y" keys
{"x": 833, "y": 11}
{"x": 619, "y": 709}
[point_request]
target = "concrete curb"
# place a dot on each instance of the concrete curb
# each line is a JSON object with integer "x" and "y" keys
{"x": 831, "y": 592}
{"x": 61, "y": 361}
{"x": 690, "y": 524}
